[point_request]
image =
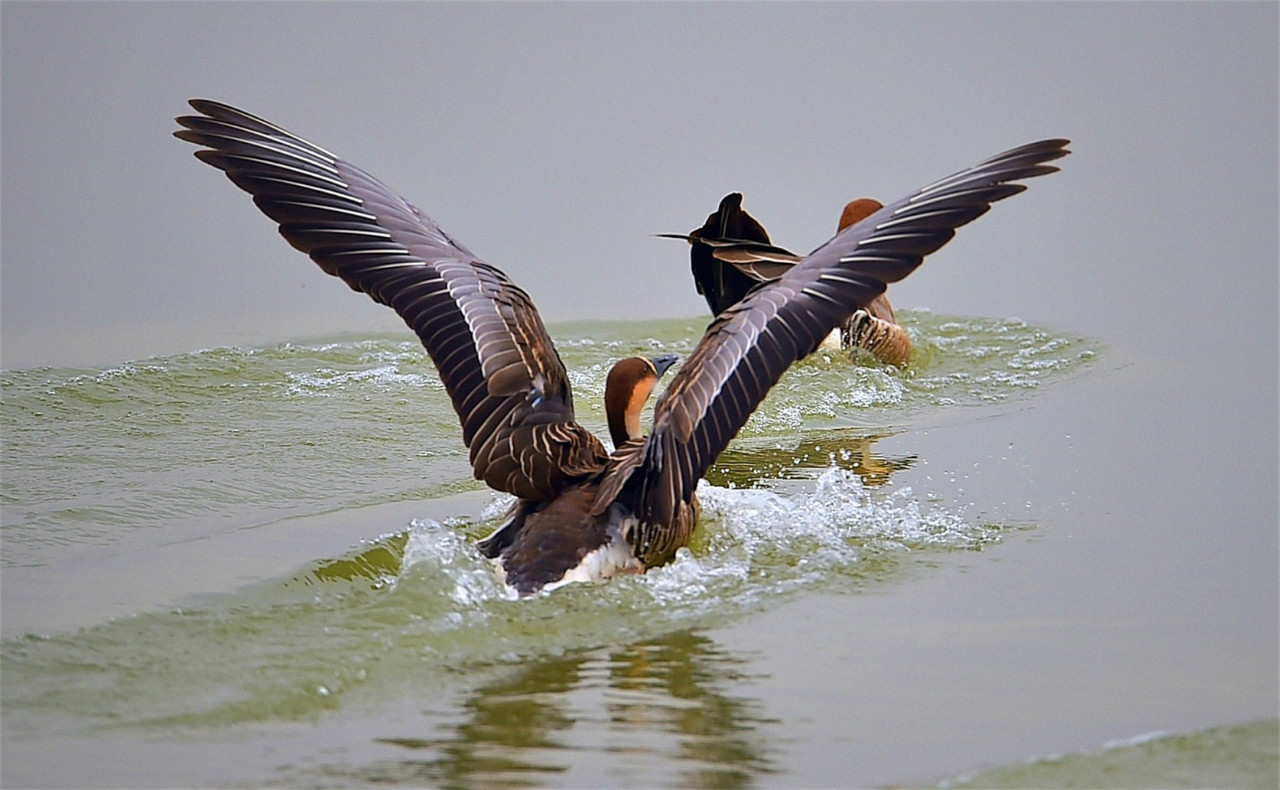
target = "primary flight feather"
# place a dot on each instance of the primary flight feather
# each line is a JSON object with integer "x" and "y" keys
{"x": 581, "y": 512}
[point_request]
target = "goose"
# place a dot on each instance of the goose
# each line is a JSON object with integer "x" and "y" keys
{"x": 581, "y": 513}
{"x": 731, "y": 254}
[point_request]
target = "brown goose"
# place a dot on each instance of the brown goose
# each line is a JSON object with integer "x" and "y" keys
{"x": 731, "y": 254}
{"x": 581, "y": 513}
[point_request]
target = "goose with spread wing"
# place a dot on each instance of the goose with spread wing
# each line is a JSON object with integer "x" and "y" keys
{"x": 581, "y": 513}
{"x": 731, "y": 254}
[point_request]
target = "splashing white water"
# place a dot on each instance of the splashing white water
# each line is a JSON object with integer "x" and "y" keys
{"x": 758, "y": 543}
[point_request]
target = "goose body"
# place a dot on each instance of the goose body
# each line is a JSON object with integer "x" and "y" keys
{"x": 731, "y": 254}
{"x": 580, "y": 512}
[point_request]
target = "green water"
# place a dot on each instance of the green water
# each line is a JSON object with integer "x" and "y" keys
{"x": 255, "y": 565}
{"x": 1242, "y": 756}
{"x": 165, "y": 446}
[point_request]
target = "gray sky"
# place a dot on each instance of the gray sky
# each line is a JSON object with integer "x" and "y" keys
{"x": 554, "y": 139}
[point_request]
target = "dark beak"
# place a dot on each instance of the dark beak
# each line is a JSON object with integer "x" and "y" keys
{"x": 663, "y": 362}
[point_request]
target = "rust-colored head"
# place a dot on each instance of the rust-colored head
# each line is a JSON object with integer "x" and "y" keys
{"x": 628, "y": 387}
{"x": 858, "y": 210}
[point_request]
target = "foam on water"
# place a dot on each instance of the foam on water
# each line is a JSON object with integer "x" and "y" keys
{"x": 225, "y": 440}
{"x": 437, "y": 554}
{"x": 752, "y": 544}
{"x": 327, "y": 382}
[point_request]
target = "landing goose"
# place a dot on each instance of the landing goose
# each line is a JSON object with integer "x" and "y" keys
{"x": 580, "y": 512}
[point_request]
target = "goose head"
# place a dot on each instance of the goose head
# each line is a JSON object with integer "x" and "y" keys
{"x": 858, "y": 210}
{"x": 627, "y": 389}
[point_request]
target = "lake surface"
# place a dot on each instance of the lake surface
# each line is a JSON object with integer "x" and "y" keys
{"x": 255, "y": 566}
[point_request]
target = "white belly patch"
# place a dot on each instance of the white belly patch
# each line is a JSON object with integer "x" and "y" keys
{"x": 612, "y": 559}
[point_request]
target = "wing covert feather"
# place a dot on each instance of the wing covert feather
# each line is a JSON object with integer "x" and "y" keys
{"x": 748, "y": 347}
{"x": 495, "y": 357}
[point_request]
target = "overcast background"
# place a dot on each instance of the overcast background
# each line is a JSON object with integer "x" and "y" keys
{"x": 554, "y": 139}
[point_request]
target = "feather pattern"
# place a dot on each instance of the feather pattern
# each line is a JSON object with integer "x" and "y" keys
{"x": 499, "y": 365}
{"x": 750, "y": 344}
{"x": 509, "y": 386}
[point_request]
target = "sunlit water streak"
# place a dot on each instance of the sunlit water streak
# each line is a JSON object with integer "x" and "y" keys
{"x": 193, "y": 444}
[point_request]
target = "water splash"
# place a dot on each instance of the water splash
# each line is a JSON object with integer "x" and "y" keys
{"x": 234, "y": 439}
{"x": 752, "y": 544}
{"x": 443, "y": 557}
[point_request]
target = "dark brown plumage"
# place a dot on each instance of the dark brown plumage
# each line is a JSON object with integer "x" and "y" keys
{"x": 580, "y": 512}
{"x": 731, "y": 254}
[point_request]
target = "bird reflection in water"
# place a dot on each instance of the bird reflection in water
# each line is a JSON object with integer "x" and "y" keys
{"x": 746, "y": 465}
{"x": 628, "y": 700}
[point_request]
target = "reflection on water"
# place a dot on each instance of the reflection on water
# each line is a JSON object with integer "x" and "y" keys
{"x": 676, "y": 683}
{"x": 747, "y": 463}
{"x": 661, "y": 703}
{"x": 587, "y": 686}
{"x": 230, "y": 436}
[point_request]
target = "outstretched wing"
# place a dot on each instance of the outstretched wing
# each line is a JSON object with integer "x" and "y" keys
{"x": 747, "y": 348}
{"x": 484, "y": 335}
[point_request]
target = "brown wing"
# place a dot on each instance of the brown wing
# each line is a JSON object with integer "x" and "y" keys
{"x": 484, "y": 335}
{"x": 748, "y": 347}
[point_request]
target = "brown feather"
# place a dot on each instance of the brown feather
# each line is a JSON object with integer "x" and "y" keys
{"x": 508, "y": 384}
{"x": 554, "y": 539}
{"x": 750, "y": 345}
{"x": 759, "y": 261}
{"x": 495, "y": 357}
